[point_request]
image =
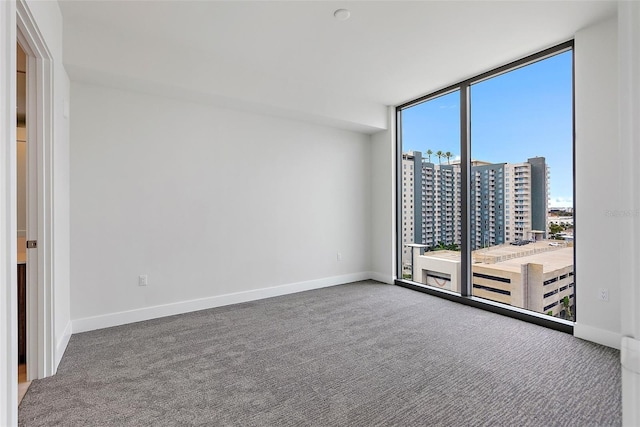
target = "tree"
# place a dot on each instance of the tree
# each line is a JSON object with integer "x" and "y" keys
{"x": 448, "y": 155}
{"x": 567, "y": 307}
{"x": 441, "y": 246}
{"x": 440, "y": 155}
{"x": 555, "y": 228}
{"x": 429, "y": 153}
{"x": 453, "y": 247}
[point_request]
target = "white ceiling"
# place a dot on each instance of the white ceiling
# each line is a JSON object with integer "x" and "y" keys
{"x": 294, "y": 59}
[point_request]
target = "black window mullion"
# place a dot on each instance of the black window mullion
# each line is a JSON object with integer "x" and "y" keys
{"x": 465, "y": 165}
{"x": 399, "y": 244}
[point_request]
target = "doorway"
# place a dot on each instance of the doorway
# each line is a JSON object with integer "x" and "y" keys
{"x": 21, "y": 216}
{"x": 40, "y": 318}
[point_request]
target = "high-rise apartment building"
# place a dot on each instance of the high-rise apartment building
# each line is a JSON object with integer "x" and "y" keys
{"x": 526, "y": 199}
{"x": 509, "y": 202}
{"x": 431, "y": 203}
{"x": 488, "y": 201}
{"x": 407, "y": 206}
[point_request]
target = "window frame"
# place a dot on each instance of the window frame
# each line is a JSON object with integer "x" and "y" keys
{"x": 466, "y": 285}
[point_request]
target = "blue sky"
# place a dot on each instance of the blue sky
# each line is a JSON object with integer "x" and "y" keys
{"x": 515, "y": 116}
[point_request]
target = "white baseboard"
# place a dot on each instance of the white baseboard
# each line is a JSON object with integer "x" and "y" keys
{"x": 597, "y": 335}
{"x": 148, "y": 313}
{"x": 381, "y": 277}
{"x": 62, "y": 344}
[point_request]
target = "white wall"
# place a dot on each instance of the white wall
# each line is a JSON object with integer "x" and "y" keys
{"x": 209, "y": 202}
{"x": 61, "y": 213}
{"x": 599, "y": 203}
{"x": 383, "y": 151}
{"x": 629, "y": 93}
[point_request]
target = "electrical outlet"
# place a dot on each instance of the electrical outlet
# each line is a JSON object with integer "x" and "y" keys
{"x": 143, "y": 280}
{"x": 603, "y": 295}
{"x": 339, "y": 256}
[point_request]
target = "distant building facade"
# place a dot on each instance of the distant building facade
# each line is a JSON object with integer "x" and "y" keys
{"x": 509, "y": 202}
{"x": 535, "y": 277}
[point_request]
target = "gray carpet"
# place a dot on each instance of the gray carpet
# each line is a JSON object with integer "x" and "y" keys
{"x": 362, "y": 354}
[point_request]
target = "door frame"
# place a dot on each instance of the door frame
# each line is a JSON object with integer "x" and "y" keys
{"x": 18, "y": 24}
{"x": 40, "y": 301}
{"x": 8, "y": 224}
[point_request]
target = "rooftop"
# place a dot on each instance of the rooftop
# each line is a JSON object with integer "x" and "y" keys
{"x": 510, "y": 257}
{"x": 551, "y": 257}
{"x": 444, "y": 254}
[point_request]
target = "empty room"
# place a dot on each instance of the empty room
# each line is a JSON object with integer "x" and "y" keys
{"x": 319, "y": 213}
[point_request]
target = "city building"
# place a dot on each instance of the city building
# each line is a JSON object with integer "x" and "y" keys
{"x": 509, "y": 202}
{"x": 535, "y": 277}
{"x": 489, "y": 200}
{"x": 527, "y": 194}
{"x": 561, "y": 220}
{"x": 408, "y": 198}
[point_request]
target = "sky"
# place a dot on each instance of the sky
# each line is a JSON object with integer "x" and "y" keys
{"x": 525, "y": 113}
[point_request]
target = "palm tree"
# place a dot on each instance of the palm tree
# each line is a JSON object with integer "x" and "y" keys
{"x": 440, "y": 155}
{"x": 429, "y": 153}
{"x": 448, "y": 155}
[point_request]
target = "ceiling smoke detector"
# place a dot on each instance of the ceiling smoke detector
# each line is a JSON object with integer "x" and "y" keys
{"x": 342, "y": 14}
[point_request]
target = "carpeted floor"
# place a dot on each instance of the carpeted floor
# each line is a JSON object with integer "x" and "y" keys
{"x": 361, "y": 354}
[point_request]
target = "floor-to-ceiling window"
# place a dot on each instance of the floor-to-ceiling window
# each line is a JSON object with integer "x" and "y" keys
{"x": 431, "y": 185}
{"x": 486, "y": 186}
